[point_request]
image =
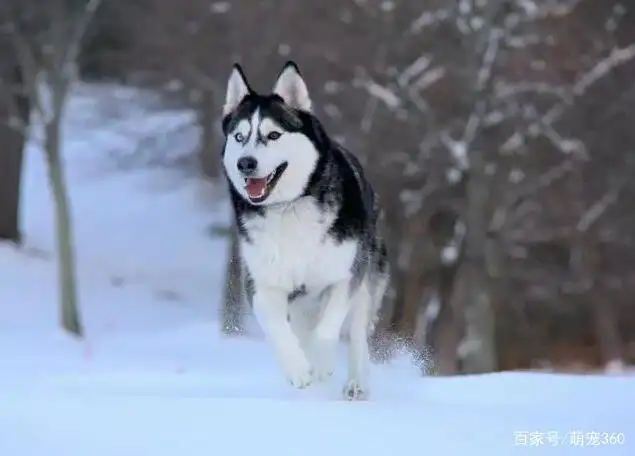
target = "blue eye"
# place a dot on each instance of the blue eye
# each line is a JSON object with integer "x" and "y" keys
{"x": 273, "y": 136}
{"x": 239, "y": 137}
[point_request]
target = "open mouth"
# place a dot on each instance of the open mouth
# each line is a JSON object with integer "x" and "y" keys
{"x": 259, "y": 188}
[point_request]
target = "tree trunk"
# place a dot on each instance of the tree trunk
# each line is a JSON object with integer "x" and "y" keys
{"x": 473, "y": 297}
{"x": 473, "y": 294}
{"x": 414, "y": 287}
{"x": 478, "y": 348}
{"x": 233, "y": 311}
{"x": 10, "y": 180}
{"x": 14, "y": 103}
{"x": 412, "y": 280}
{"x": 445, "y": 340}
{"x": 607, "y": 332}
{"x": 70, "y": 318}
{"x": 444, "y": 333}
{"x": 585, "y": 267}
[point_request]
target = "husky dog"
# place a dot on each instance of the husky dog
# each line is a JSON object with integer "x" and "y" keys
{"x": 308, "y": 223}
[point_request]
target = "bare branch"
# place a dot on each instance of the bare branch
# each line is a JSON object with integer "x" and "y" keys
{"x": 507, "y": 90}
{"x": 595, "y": 212}
{"x": 420, "y": 64}
{"x": 603, "y": 68}
{"x": 382, "y": 93}
{"x": 372, "y": 102}
{"x": 531, "y": 12}
{"x": 543, "y": 125}
{"x": 502, "y": 213}
{"x": 73, "y": 47}
{"x": 489, "y": 57}
{"x": 483, "y": 78}
{"x": 429, "y": 19}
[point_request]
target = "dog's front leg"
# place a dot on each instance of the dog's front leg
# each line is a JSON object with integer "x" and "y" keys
{"x": 325, "y": 337}
{"x": 270, "y": 309}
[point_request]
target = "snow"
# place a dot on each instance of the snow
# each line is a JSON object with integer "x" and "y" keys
{"x": 154, "y": 376}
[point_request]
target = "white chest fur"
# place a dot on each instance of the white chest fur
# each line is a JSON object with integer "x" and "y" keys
{"x": 290, "y": 247}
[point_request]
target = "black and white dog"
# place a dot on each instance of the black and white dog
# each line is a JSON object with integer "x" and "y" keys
{"x": 308, "y": 221}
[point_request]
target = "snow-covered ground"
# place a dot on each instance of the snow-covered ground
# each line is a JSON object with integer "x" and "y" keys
{"x": 154, "y": 377}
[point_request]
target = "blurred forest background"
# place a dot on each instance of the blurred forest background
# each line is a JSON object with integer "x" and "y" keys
{"x": 499, "y": 133}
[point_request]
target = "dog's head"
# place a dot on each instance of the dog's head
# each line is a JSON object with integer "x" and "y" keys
{"x": 268, "y": 156}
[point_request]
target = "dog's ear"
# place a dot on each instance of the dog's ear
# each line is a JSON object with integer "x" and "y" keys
{"x": 291, "y": 87}
{"x": 237, "y": 89}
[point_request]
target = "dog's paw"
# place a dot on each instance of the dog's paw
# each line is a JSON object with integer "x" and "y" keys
{"x": 354, "y": 391}
{"x": 299, "y": 373}
{"x": 322, "y": 354}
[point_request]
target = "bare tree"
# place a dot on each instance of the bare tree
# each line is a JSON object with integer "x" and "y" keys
{"x": 47, "y": 39}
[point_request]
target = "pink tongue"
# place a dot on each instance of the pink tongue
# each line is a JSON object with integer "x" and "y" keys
{"x": 256, "y": 187}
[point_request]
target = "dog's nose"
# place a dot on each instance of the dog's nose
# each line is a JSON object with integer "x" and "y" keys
{"x": 247, "y": 165}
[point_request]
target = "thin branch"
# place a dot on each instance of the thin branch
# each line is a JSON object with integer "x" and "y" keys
{"x": 430, "y": 19}
{"x": 372, "y": 102}
{"x": 532, "y": 12}
{"x": 603, "y": 68}
{"x": 502, "y": 213}
{"x": 544, "y": 124}
{"x": 74, "y": 44}
{"x": 381, "y": 92}
{"x": 509, "y": 90}
{"x": 489, "y": 57}
{"x": 483, "y": 78}
{"x": 595, "y": 212}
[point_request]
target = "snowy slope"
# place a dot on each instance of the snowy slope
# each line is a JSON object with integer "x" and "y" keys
{"x": 154, "y": 377}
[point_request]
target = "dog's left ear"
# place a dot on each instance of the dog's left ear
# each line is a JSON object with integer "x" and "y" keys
{"x": 237, "y": 89}
{"x": 291, "y": 87}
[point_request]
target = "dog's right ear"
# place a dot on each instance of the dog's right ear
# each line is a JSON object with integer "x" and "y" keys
{"x": 291, "y": 87}
{"x": 237, "y": 89}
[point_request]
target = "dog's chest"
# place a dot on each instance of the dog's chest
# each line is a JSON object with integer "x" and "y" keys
{"x": 290, "y": 248}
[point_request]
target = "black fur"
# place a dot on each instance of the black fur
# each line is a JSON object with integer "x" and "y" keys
{"x": 297, "y": 293}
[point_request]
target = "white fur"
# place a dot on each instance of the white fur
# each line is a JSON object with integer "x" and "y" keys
{"x": 290, "y": 248}
{"x": 237, "y": 90}
{"x": 294, "y": 148}
{"x": 292, "y": 89}
{"x": 270, "y": 309}
{"x": 322, "y": 344}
